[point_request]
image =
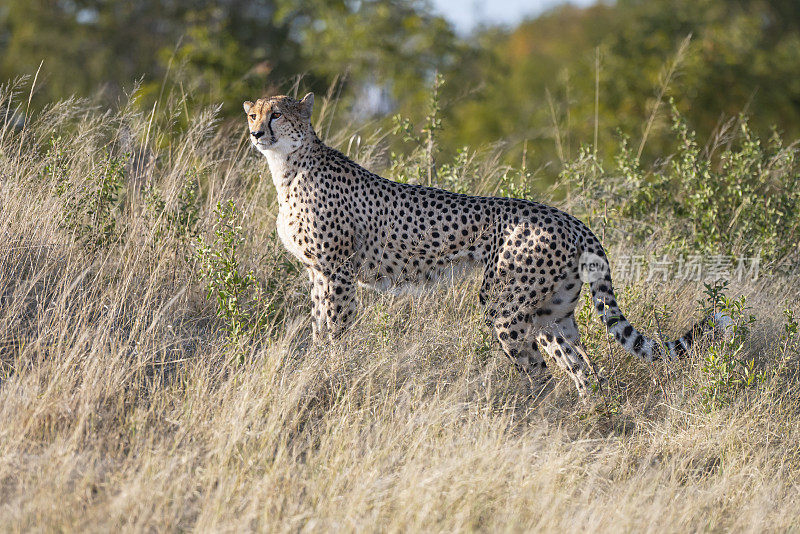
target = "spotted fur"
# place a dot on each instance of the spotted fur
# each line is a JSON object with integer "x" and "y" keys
{"x": 347, "y": 225}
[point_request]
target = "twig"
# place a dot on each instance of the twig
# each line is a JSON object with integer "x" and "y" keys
{"x": 610, "y": 351}
{"x": 28, "y": 108}
{"x": 675, "y": 62}
{"x": 596, "y": 96}
{"x": 559, "y": 146}
{"x": 681, "y": 411}
{"x": 664, "y": 348}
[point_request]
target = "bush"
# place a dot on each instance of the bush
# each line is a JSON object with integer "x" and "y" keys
{"x": 246, "y": 305}
{"x": 90, "y": 208}
{"x": 727, "y": 369}
{"x": 738, "y": 196}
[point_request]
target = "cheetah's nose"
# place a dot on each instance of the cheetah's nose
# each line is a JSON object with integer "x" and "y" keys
{"x": 257, "y": 134}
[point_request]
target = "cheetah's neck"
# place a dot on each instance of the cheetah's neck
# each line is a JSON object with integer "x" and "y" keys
{"x": 284, "y": 167}
{"x": 279, "y": 168}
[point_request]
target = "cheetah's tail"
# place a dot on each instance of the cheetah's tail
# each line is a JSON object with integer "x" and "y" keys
{"x": 626, "y": 334}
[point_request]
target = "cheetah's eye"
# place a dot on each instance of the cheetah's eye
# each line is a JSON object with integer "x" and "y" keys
{"x": 253, "y": 116}
{"x": 276, "y": 115}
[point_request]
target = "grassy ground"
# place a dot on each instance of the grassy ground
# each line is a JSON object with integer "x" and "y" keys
{"x": 128, "y": 402}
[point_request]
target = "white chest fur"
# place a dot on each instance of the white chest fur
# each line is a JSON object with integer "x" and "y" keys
{"x": 287, "y": 227}
{"x": 277, "y": 168}
{"x": 287, "y": 224}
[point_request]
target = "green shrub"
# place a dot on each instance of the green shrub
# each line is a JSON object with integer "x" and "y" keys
{"x": 179, "y": 220}
{"x": 55, "y": 162}
{"x": 726, "y": 368}
{"x": 736, "y": 198}
{"x": 236, "y": 293}
{"x": 246, "y": 305}
{"x": 91, "y": 208}
{"x": 419, "y": 165}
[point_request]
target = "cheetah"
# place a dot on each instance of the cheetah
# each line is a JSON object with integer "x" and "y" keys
{"x": 348, "y": 226}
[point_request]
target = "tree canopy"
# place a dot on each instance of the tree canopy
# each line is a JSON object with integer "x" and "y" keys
{"x": 551, "y": 83}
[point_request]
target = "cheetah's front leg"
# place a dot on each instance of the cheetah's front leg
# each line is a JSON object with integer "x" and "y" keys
{"x": 333, "y": 300}
{"x": 318, "y": 323}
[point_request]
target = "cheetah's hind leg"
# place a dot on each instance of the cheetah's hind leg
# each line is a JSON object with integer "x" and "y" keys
{"x": 516, "y": 334}
{"x": 523, "y": 351}
{"x": 562, "y": 342}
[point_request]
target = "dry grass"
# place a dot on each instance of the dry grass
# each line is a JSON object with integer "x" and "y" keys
{"x": 124, "y": 405}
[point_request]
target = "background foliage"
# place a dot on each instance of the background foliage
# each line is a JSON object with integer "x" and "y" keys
{"x": 156, "y": 366}
{"x": 532, "y": 85}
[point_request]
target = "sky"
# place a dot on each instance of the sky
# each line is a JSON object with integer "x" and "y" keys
{"x": 466, "y": 14}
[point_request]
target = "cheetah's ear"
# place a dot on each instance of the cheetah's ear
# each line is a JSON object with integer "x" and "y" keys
{"x": 248, "y": 106}
{"x": 307, "y": 106}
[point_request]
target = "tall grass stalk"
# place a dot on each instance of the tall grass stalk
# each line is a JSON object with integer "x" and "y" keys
{"x": 126, "y": 404}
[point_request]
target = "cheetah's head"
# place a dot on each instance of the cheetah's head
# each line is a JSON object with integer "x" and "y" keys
{"x": 279, "y": 123}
